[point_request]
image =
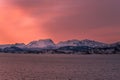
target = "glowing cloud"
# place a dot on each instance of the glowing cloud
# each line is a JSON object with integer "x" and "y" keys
{"x": 26, "y": 20}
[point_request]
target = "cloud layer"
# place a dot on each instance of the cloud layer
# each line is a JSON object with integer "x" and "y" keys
{"x": 60, "y": 20}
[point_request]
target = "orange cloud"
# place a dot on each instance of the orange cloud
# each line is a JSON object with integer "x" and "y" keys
{"x": 17, "y": 26}
{"x": 26, "y": 20}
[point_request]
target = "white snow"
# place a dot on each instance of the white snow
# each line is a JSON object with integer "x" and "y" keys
{"x": 43, "y": 43}
{"x": 86, "y": 42}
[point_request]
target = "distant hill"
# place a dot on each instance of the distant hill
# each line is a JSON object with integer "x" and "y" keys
{"x": 86, "y": 42}
{"x": 68, "y": 47}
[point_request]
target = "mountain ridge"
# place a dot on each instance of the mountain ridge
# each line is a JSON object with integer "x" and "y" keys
{"x": 85, "y": 42}
{"x": 69, "y": 46}
{"x": 43, "y": 43}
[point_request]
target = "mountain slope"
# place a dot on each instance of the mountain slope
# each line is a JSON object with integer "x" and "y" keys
{"x": 43, "y": 43}
{"x": 86, "y": 42}
{"x": 5, "y": 45}
{"x": 19, "y": 45}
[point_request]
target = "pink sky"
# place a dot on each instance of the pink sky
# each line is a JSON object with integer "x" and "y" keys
{"x": 27, "y": 20}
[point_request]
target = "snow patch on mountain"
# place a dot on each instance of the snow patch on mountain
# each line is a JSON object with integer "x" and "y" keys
{"x": 43, "y": 43}
{"x": 92, "y": 43}
{"x": 86, "y": 42}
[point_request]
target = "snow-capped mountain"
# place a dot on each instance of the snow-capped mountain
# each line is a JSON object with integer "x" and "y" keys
{"x": 43, "y": 43}
{"x": 70, "y": 46}
{"x": 86, "y": 42}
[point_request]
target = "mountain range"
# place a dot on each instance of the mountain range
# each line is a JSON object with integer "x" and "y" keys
{"x": 69, "y": 46}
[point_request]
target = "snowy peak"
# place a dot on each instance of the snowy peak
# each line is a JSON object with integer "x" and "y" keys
{"x": 43, "y": 43}
{"x": 86, "y": 42}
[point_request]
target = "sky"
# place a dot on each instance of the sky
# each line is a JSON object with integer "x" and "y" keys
{"x": 26, "y": 20}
